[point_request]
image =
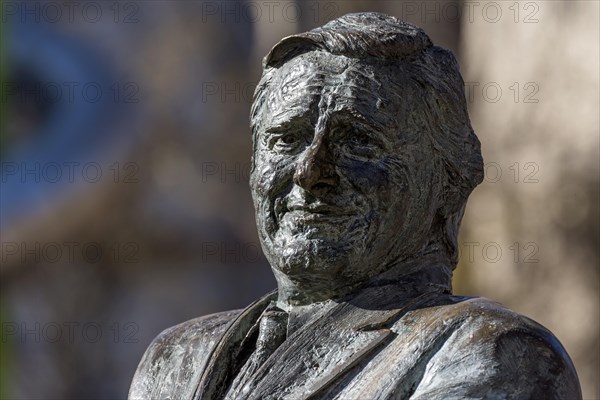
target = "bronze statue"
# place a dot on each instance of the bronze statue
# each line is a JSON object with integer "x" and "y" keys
{"x": 363, "y": 161}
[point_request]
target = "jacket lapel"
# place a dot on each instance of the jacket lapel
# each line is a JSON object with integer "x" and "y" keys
{"x": 322, "y": 352}
{"x": 318, "y": 355}
{"x": 223, "y": 359}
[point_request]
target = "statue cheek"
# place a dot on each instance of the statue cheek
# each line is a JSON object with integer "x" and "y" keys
{"x": 264, "y": 179}
{"x": 268, "y": 221}
{"x": 374, "y": 179}
{"x": 277, "y": 179}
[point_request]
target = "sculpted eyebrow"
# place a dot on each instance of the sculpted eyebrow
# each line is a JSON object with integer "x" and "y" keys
{"x": 301, "y": 120}
{"x": 345, "y": 116}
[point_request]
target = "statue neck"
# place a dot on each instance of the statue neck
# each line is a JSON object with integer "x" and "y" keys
{"x": 414, "y": 276}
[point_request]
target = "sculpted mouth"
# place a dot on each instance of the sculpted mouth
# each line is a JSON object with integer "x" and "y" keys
{"x": 316, "y": 211}
{"x": 317, "y": 208}
{"x": 296, "y": 210}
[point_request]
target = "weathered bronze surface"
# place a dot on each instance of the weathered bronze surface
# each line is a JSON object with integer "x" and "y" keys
{"x": 363, "y": 161}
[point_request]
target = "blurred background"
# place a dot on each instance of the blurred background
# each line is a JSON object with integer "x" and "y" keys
{"x": 125, "y": 153}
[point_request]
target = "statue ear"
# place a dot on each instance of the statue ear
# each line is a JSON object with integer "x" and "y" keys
{"x": 452, "y": 192}
{"x": 446, "y": 191}
{"x": 459, "y": 178}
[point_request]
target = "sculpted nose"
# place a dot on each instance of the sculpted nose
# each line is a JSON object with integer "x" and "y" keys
{"x": 315, "y": 172}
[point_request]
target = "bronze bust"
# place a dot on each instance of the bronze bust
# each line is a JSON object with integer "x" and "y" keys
{"x": 363, "y": 160}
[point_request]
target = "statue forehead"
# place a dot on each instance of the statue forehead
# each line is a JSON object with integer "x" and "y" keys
{"x": 319, "y": 78}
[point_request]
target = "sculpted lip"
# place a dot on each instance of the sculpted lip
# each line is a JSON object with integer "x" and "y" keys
{"x": 317, "y": 210}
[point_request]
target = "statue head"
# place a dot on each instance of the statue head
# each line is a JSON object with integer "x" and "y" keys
{"x": 363, "y": 154}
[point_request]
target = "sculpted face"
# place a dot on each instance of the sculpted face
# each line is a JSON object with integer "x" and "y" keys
{"x": 344, "y": 177}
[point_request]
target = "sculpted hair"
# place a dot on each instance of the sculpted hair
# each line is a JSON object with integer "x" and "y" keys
{"x": 434, "y": 74}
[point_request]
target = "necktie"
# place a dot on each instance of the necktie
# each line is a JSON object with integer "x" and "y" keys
{"x": 272, "y": 331}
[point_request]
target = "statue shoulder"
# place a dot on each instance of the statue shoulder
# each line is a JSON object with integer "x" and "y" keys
{"x": 485, "y": 318}
{"x": 176, "y": 356}
{"x": 493, "y": 352}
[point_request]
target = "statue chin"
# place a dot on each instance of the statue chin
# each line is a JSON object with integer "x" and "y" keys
{"x": 317, "y": 244}
{"x": 314, "y": 270}
{"x": 301, "y": 257}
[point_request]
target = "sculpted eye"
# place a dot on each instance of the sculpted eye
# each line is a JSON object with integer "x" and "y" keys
{"x": 287, "y": 139}
{"x": 361, "y": 142}
{"x": 360, "y": 139}
{"x": 285, "y": 142}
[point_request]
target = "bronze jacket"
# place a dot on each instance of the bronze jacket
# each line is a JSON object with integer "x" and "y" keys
{"x": 394, "y": 340}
